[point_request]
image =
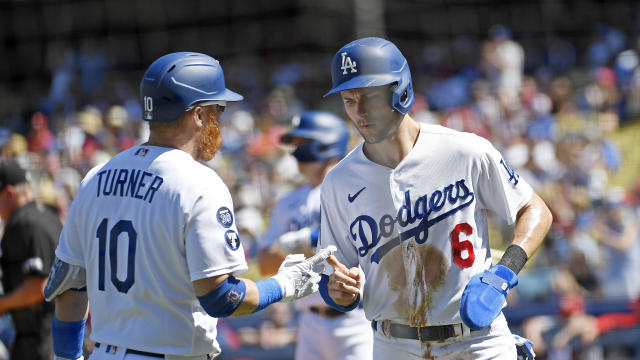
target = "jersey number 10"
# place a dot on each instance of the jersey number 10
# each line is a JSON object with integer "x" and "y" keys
{"x": 122, "y": 226}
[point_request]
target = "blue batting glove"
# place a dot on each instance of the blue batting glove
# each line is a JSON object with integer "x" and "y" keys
{"x": 485, "y": 295}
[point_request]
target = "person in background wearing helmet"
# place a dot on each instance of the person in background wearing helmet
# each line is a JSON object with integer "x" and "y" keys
{"x": 320, "y": 139}
{"x": 151, "y": 239}
{"x": 408, "y": 207}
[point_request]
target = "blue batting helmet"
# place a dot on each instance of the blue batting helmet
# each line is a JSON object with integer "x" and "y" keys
{"x": 372, "y": 62}
{"x": 176, "y": 81}
{"x": 327, "y": 134}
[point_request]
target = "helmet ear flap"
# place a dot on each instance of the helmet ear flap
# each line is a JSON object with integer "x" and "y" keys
{"x": 402, "y": 98}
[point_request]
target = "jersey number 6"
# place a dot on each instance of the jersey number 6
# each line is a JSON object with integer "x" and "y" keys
{"x": 122, "y": 226}
{"x": 458, "y": 246}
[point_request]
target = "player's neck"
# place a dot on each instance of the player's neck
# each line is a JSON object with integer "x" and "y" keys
{"x": 184, "y": 143}
{"x": 396, "y": 147}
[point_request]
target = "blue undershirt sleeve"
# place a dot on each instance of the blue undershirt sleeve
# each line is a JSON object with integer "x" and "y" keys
{"x": 324, "y": 292}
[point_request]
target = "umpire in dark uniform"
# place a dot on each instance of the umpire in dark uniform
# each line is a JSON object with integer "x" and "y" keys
{"x": 30, "y": 237}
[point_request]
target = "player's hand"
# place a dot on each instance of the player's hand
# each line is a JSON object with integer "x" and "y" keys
{"x": 485, "y": 295}
{"x": 344, "y": 284}
{"x": 524, "y": 348}
{"x": 296, "y": 276}
{"x": 295, "y": 239}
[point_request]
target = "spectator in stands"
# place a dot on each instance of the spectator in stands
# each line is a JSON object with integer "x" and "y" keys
{"x": 40, "y": 138}
{"x": 588, "y": 327}
{"x": 617, "y": 233}
{"x": 503, "y": 62}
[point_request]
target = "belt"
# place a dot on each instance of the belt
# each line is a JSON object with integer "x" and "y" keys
{"x": 426, "y": 333}
{"x": 138, "y": 352}
{"x": 326, "y": 311}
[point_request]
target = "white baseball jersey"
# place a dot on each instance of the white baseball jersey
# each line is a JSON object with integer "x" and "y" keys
{"x": 297, "y": 209}
{"x": 144, "y": 226}
{"x": 419, "y": 231}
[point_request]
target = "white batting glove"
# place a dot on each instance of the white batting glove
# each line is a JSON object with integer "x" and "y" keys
{"x": 295, "y": 239}
{"x": 56, "y": 357}
{"x": 296, "y": 276}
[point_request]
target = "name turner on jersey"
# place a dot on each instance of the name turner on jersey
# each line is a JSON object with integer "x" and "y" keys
{"x": 128, "y": 183}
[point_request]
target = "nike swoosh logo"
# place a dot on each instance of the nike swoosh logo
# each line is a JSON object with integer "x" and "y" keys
{"x": 352, "y": 198}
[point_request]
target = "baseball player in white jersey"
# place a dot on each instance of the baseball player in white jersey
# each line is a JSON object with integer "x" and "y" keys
{"x": 324, "y": 333}
{"x": 409, "y": 207}
{"x": 151, "y": 234}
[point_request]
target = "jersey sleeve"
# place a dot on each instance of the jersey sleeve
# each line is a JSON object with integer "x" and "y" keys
{"x": 212, "y": 244}
{"x": 70, "y": 247}
{"x": 332, "y": 230}
{"x": 500, "y": 188}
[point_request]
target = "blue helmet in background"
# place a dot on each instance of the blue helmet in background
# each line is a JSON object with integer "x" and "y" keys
{"x": 372, "y": 62}
{"x": 327, "y": 134}
{"x": 176, "y": 81}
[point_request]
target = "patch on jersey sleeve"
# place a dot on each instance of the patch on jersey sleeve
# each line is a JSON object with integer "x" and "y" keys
{"x": 513, "y": 176}
{"x": 232, "y": 239}
{"x": 33, "y": 264}
{"x": 224, "y": 216}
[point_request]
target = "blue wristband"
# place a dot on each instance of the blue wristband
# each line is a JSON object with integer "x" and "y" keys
{"x": 323, "y": 288}
{"x": 315, "y": 235}
{"x": 67, "y": 338}
{"x": 269, "y": 292}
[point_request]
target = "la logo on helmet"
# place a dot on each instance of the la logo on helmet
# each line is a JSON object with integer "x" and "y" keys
{"x": 347, "y": 63}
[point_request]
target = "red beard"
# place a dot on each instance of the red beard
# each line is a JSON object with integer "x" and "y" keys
{"x": 210, "y": 140}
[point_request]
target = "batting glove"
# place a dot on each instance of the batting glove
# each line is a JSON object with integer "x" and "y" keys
{"x": 295, "y": 239}
{"x": 524, "y": 347}
{"x": 296, "y": 276}
{"x": 485, "y": 295}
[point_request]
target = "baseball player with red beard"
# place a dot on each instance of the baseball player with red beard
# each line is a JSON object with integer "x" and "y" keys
{"x": 409, "y": 207}
{"x": 151, "y": 240}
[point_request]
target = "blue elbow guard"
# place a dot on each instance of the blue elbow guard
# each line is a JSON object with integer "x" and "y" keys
{"x": 67, "y": 338}
{"x": 324, "y": 292}
{"x": 225, "y": 298}
{"x": 269, "y": 292}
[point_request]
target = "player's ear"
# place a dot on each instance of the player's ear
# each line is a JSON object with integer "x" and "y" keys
{"x": 199, "y": 116}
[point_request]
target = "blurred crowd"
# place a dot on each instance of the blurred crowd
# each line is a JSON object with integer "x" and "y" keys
{"x": 552, "y": 117}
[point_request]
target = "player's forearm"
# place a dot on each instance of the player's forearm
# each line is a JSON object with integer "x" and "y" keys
{"x": 72, "y": 305}
{"x": 225, "y": 295}
{"x": 67, "y": 328}
{"x": 27, "y": 294}
{"x": 251, "y": 299}
{"x": 532, "y": 224}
